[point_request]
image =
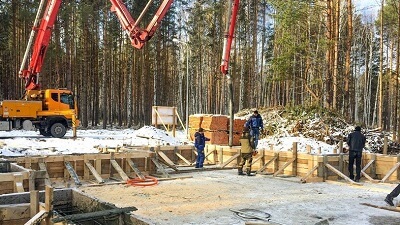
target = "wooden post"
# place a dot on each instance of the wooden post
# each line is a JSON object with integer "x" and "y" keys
{"x": 156, "y": 120}
{"x": 112, "y": 170}
{"x": 262, "y": 152}
{"x": 308, "y": 149}
{"x": 319, "y": 151}
{"x": 86, "y": 174}
{"x": 220, "y": 155}
{"x": 175, "y": 156}
{"x": 193, "y": 156}
{"x": 325, "y": 171}
{"x": 373, "y": 167}
{"x": 32, "y": 177}
{"x": 385, "y": 145}
{"x": 398, "y": 171}
{"x": 341, "y": 146}
{"x": 294, "y": 164}
{"x": 34, "y": 205}
{"x": 341, "y": 162}
{"x": 48, "y": 203}
{"x": 320, "y": 170}
{"x": 239, "y": 158}
{"x": 206, "y": 150}
{"x": 276, "y": 162}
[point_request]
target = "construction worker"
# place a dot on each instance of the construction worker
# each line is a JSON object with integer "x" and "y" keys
{"x": 389, "y": 198}
{"x": 199, "y": 144}
{"x": 246, "y": 152}
{"x": 255, "y": 124}
{"x": 356, "y": 141}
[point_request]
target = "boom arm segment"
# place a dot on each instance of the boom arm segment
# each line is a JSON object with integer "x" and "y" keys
{"x": 31, "y": 74}
{"x": 137, "y": 35}
{"x": 229, "y": 34}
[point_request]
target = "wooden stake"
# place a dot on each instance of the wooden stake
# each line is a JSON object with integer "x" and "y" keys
{"x": 34, "y": 205}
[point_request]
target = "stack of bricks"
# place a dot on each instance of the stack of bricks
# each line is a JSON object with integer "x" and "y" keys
{"x": 216, "y": 127}
{"x": 238, "y": 125}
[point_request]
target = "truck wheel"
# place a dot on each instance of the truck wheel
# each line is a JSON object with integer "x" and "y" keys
{"x": 58, "y": 130}
{"x": 44, "y": 132}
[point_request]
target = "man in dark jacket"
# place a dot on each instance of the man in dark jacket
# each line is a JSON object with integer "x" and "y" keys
{"x": 356, "y": 141}
{"x": 199, "y": 144}
{"x": 255, "y": 124}
{"x": 389, "y": 198}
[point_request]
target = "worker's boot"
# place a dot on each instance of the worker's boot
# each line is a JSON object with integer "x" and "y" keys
{"x": 389, "y": 200}
{"x": 240, "y": 172}
{"x": 248, "y": 172}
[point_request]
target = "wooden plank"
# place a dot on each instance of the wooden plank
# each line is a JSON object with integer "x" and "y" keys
{"x": 18, "y": 183}
{"x": 170, "y": 166}
{"x": 341, "y": 174}
{"x": 257, "y": 159}
{"x": 183, "y": 158}
{"x": 165, "y": 158}
{"x": 42, "y": 167}
{"x": 283, "y": 167}
{"x": 49, "y": 198}
{"x": 94, "y": 172}
{"x": 34, "y": 202}
{"x": 365, "y": 168}
{"x": 72, "y": 173}
{"x": 48, "y": 202}
{"x": 4, "y": 177}
{"x": 37, "y": 218}
{"x": 119, "y": 170}
{"x": 230, "y": 160}
{"x": 12, "y": 212}
{"x": 160, "y": 167}
{"x": 18, "y": 168}
{"x": 32, "y": 177}
{"x": 135, "y": 169}
{"x": 304, "y": 179}
{"x": 266, "y": 164}
{"x": 394, "y": 209}
{"x": 391, "y": 171}
{"x": 97, "y": 165}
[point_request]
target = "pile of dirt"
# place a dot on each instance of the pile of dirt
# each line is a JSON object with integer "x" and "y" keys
{"x": 316, "y": 124}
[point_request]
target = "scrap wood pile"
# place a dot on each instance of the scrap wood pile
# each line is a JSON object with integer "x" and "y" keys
{"x": 326, "y": 127}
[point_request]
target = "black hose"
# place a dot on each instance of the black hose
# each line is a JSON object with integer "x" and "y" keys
{"x": 253, "y": 214}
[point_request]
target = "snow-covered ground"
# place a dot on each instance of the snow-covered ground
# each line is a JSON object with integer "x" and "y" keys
{"x": 20, "y": 143}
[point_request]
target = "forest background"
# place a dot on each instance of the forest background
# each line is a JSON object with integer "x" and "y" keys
{"x": 294, "y": 53}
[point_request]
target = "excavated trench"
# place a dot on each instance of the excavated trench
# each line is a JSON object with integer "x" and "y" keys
{"x": 69, "y": 206}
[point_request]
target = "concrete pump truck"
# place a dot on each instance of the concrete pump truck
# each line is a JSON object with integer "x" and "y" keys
{"x": 53, "y": 111}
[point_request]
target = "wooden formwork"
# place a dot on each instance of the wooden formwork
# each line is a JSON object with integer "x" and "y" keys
{"x": 33, "y": 173}
{"x": 310, "y": 167}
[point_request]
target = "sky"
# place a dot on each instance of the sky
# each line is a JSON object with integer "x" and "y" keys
{"x": 368, "y": 7}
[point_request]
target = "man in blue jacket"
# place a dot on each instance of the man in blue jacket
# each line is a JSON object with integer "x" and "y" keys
{"x": 356, "y": 141}
{"x": 255, "y": 124}
{"x": 199, "y": 144}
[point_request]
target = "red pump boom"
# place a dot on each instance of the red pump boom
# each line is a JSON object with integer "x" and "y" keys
{"x": 229, "y": 34}
{"x": 137, "y": 35}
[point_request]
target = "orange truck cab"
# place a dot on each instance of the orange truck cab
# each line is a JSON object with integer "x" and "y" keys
{"x": 51, "y": 111}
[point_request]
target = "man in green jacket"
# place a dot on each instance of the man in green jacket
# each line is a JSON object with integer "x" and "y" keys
{"x": 246, "y": 152}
